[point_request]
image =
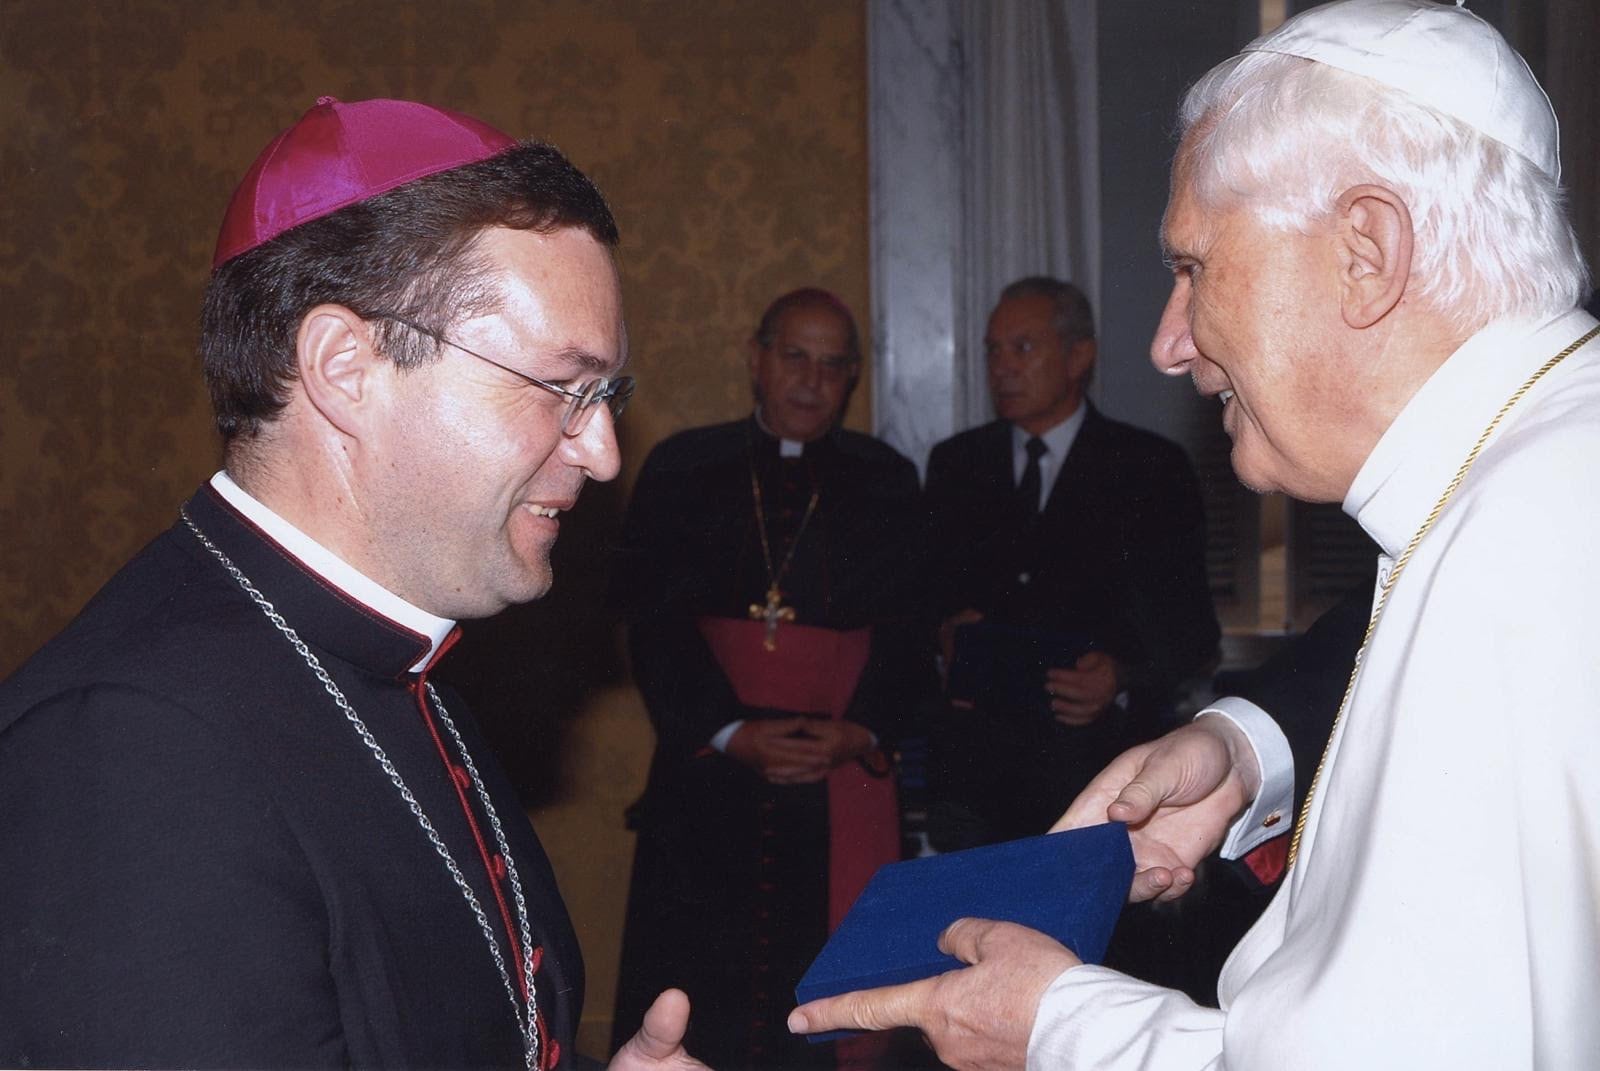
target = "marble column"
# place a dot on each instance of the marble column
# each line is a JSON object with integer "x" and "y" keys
{"x": 964, "y": 197}
{"x": 915, "y": 145}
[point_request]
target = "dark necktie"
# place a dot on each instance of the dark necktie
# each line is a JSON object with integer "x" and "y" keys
{"x": 1028, "y": 488}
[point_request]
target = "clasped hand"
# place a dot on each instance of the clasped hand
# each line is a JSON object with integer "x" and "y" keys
{"x": 798, "y": 750}
{"x": 1178, "y": 796}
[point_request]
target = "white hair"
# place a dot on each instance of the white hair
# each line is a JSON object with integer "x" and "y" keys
{"x": 1284, "y": 137}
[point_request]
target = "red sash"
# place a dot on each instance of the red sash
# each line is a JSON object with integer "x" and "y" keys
{"x": 815, "y": 671}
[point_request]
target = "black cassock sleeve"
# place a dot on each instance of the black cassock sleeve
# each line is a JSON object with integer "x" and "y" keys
{"x": 1302, "y": 685}
{"x": 656, "y": 583}
{"x": 191, "y": 933}
{"x": 899, "y": 686}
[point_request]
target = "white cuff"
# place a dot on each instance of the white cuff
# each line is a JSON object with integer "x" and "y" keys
{"x": 724, "y": 734}
{"x": 1269, "y": 813}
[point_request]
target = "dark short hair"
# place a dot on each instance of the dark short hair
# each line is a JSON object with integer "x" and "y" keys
{"x": 812, "y": 297}
{"x": 404, "y": 252}
{"x": 1074, "y": 318}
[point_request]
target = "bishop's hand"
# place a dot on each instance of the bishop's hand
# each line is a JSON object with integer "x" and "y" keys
{"x": 843, "y": 740}
{"x": 1178, "y": 795}
{"x": 797, "y": 750}
{"x": 774, "y": 748}
{"x": 658, "y": 1046}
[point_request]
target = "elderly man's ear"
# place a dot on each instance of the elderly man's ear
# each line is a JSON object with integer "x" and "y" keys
{"x": 1375, "y": 246}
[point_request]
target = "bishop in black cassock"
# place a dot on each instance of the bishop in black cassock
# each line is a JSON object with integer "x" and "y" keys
{"x": 233, "y": 880}
{"x": 737, "y": 879}
{"x": 241, "y": 827}
{"x": 730, "y": 893}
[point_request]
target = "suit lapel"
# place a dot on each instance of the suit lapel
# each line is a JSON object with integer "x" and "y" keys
{"x": 996, "y": 460}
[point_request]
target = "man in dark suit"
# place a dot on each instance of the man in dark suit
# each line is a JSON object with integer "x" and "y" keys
{"x": 1055, "y": 519}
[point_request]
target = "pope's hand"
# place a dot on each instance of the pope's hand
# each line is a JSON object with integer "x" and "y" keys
{"x": 1178, "y": 796}
{"x": 978, "y": 1018}
{"x": 658, "y": 1046}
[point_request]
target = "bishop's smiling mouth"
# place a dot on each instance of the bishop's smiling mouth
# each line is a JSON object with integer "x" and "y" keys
{"x": 544, "y": 511}
{"x": 1225, "y": 396}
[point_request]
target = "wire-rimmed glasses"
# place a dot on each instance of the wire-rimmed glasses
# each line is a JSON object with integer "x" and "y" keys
{"x": 581, "y": 400}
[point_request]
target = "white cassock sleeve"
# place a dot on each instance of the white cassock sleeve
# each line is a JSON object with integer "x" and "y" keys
{"x": 1094, "y": 1017}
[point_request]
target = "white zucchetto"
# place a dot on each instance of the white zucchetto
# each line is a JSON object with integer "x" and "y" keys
{"x": 1442, "y": 56}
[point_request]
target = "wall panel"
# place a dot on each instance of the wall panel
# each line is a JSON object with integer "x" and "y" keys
{"x": 730, "y": 137}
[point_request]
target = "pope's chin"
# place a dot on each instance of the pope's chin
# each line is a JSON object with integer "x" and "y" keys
{"x": 1249, "y": 467}
{"x": 1260, "y": 485}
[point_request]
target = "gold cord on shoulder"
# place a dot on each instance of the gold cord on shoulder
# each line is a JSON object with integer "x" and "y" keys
{"x": 1399, "y": 567}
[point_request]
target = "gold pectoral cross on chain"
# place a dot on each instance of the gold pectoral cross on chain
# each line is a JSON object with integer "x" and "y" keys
{"x": 773, "y": 612}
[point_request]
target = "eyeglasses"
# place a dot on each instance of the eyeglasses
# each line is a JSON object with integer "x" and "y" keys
{"x": 581, "y": 401}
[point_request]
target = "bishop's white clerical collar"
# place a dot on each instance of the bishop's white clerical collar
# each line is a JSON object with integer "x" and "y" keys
{"x": 335, "y": 570}
{"x": 786, "y": 447}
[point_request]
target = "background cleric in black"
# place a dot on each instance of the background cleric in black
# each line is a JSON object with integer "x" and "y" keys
{"x": 767, "y": 573}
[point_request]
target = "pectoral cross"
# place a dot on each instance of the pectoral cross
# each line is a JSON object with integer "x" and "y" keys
{"x": 773, "y": 612}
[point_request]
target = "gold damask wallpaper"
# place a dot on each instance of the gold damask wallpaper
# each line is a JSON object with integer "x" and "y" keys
{"x": 729, "y": 135}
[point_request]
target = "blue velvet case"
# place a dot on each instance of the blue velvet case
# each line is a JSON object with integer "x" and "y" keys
{"x": 1069, "y": 885}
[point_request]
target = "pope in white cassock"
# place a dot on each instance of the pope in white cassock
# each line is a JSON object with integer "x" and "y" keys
{"x": 1374, "y": 275}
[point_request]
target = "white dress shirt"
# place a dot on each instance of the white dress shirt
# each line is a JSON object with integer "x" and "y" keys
{"x": 1058, "y": 443}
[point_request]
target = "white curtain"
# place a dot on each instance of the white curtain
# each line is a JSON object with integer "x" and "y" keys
{"x": 984, "y": 160}
{"x": 1030, "y": 178}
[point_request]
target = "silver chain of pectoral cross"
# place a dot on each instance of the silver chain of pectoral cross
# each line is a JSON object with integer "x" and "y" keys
{"x": 526, "y": 1015}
